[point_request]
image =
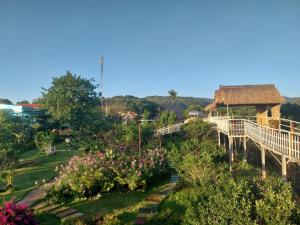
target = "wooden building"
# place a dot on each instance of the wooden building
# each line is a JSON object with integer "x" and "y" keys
{"x": 266, "y": 98}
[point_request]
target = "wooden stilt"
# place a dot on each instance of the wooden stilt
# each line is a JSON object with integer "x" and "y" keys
{"x": 219, "y": 138}
{"x": 245, "y": 155}
{"x": 230, "y": 152}
{"x": 283, "y": 165}
{"x": 263, "y": 163}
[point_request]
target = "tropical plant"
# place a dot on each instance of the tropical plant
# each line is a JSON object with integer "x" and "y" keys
{"x": 44, "y": 141}
{"x": 16, "y": 214}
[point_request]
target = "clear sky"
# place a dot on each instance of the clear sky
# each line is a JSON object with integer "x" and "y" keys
{"x": 150, "y": 46}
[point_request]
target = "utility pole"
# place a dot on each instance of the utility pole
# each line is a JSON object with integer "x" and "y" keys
{"x": 103, "y": 106}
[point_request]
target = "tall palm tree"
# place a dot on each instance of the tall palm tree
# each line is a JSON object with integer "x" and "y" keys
{"x": 173, "y": 95}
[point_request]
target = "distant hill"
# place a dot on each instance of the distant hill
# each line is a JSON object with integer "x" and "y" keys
{"x": 295, "y": 100}
{"x": 154, "y": 104}
{"x": 181, "y": 101}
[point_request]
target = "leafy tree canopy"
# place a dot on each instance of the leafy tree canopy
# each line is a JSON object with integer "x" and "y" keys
{"x": 23, "y": 102}
{"x": 71, "y": 100}
{"x": 5, "y": 101}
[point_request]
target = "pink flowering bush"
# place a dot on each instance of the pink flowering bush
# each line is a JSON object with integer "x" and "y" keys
{"x": 13, "y": 214}
{"x": 134, "y": 173}
{"x": 96, "y": 173}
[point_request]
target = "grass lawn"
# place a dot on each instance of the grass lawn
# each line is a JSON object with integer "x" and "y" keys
{"x": 36, "y": 167}
{"x": 125, "y": 205}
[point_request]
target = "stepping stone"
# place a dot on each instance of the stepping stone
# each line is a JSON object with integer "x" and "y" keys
{"x": 140, "y": 221}
{"x": 155, "y": 198}
{"x": 40, "y": 205}
{"x": 33, "y": 196}
{"x": 66, "y": 213}
{"x": 144, "y": 215}
{"x": 49, "y": 208}
{"x": 148, "y": 210}
{"x": 59, "y": 210}
{"x": 73, "y": 216}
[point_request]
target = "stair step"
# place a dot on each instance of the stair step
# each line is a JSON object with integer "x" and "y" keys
{"x": 49, "y": 208}
{"x": 66, "y": 213}
{"x": 59, "y": 210}
{"x": 73, "y": 216}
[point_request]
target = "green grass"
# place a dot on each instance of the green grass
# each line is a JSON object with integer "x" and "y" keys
{"x": 41, "y": 167}
{"x": 46, "y": 219}
{"x": 126, "y": 205}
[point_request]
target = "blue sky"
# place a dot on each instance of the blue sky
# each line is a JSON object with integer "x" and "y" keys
{"x": 150, "y": 47}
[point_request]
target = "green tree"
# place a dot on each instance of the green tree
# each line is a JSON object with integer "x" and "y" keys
{"x": 23, "y": 102}
{"x": 5, "y": 101}
{"x": 71, "y": 100}
{"x": 173, "y": 96}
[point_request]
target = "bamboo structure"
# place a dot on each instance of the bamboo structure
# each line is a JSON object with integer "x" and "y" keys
{"x": 280, "y": 137}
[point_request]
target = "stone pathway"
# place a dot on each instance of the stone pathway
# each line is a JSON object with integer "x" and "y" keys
{"x": 154, "y": 199}
{"x": 62, "y": 212}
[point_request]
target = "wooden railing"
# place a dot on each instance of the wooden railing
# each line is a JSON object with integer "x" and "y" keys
{"x": 168, "y": 130}
{"x": 279, "y": 141}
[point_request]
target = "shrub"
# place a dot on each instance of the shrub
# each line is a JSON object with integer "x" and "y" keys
{"x": 275, "y": 203}
{"x": 13, "y": 214}
{"x": 44, "y": 141}
{"x": 95, "y": 173}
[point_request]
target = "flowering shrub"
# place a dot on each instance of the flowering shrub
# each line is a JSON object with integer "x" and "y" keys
{"x": 95, "y": 173}
{"x": 135, "y": 173}
{"x": 13, "y": 214}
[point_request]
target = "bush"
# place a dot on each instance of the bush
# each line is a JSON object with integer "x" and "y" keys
{"x": 95, "y": 173}
{"x": 110, "y": 219}
{"x": 275, "y": 203}
{"x": 44, "y": 141}
{"x": 13, "y": 214}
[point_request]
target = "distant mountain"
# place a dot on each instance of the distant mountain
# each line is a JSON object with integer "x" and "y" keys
{"x": 295, "y": 100}
{"x": 154, "y": 104}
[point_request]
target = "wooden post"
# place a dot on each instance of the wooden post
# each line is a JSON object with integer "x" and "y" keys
{"x": 245, "y": 149}
{"x": 159, "y": 137}
{"x": 230, "y": 152}
{"x": 219, "y": 138}
{"x": 140, "y": 140}
{"x": 263, "y": 163}
{"x": 224, "y": 140}
{"x": 283, "y": 165}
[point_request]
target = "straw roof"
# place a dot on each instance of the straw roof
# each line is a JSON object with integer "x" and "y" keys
{"x": 265, "y": 94}
{"x": 211, "y": 107}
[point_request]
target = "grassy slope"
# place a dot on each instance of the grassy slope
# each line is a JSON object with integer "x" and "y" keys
{"x": 41, "y": 167}
{"x": 125, "y": 205}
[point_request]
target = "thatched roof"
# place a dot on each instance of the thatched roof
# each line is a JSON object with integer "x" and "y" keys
{"x": 265, "y": 94}
{"x": 211, "y": 107}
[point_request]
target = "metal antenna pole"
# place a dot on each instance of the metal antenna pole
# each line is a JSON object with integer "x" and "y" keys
{"x": 101, "y": 81}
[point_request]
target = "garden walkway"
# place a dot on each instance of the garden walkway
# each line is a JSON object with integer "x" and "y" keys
{"x": 62, "y": 212}
{"x": 154, "y": 199}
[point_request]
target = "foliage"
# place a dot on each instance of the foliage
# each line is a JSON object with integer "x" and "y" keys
{"x": 131, "y": 103}
{"x": 166, "y": 217}
{"x": 5, "y": 101}
{"x": 110, "y": 219}
{"x": 71, "y": 99}
{"x": 275, "y": 203}
{"x": 197, "y": 129}
{"x": 23, "y": 102}
{"x": 96, "y": 173}
{"x": 291, "y": 111}
{"x": 167, "y": 118}
{"x": 13, "y": 214}
{"x": 44, "y": 141}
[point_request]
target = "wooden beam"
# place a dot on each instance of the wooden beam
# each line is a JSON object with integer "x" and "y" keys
{"x": 263, "y": 163}
{"x": 230, "y": 152}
